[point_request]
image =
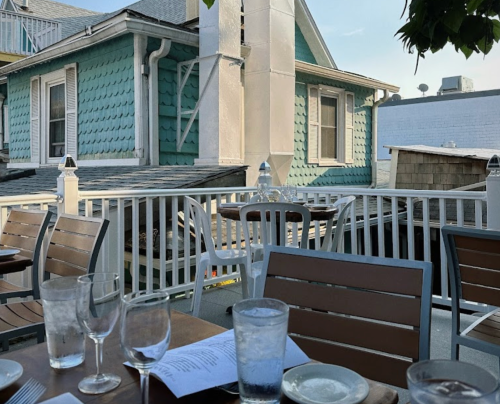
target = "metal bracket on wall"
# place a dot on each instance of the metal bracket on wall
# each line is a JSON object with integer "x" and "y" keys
{"x": 182, "y": 77}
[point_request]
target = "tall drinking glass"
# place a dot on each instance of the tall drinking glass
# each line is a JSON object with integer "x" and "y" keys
{"x": 97, "y": 310}
{"x": 145, "y": 331}
{"x": 260, "y": 329}
{"x": 442, "y": 381}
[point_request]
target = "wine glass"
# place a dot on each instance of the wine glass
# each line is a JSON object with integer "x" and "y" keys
{"x": 145, "y": 331}
{"x": 97, "y": 310}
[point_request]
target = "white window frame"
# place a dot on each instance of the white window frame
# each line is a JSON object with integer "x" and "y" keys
{"x": 314, "y": 156}
{"x": 6, "y": 131}
{"x": 48, "y": 80}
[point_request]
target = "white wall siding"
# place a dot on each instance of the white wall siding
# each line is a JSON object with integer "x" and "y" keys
{"x": 469, "y": 122}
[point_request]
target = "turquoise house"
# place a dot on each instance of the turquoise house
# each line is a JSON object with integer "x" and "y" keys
{"x": 172, "y": 83}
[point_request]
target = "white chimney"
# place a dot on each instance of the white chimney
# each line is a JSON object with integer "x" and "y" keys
{"x": 269, "y": 87}
{"x": 220, "y": 141}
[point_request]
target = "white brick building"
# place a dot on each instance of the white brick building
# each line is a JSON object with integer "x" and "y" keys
{"x": 471, "y": 120}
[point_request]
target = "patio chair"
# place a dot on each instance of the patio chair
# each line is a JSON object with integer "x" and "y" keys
{"x": 211, "y": 257}
{"x": 24, "y": 231}
{"x": 369, "y": 314}
{"x": 73, "y": 249}
{"x": 274, "y": 230}
{"x": 474, "y": 270}
{"x": 329, "y": 244}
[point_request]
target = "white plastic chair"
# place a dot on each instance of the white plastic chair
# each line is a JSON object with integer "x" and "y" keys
{"x": 329, "y": 244}
{"x": 212, "y": 257}
{"x": 273, "y": 231}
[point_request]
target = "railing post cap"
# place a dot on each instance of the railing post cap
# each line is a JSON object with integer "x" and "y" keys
{"x": 67, "y": 166}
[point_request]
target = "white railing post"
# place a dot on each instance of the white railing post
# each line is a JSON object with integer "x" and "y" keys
{"x": 493, "y": 193}
{"x": 67, "y": 186}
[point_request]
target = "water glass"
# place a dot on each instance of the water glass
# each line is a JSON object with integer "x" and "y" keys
{"x": 442, "y": 381}
{"x": 260, "y": 329}
{"x": 263, "y": 191}
{"x": 97, "y": 310}
{"x": 65, "y": 339}
{"x": 145, "y": 331}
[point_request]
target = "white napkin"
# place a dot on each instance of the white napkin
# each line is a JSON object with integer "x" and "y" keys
{"x": 66, "y": 398}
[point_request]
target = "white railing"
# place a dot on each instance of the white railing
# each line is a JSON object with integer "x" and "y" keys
{"x": 23, "y": 35}
{"x": 147, "y": 250}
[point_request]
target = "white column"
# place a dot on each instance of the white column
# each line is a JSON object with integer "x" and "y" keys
{"x": 220, "y": 109}
{"x": 492, "y": 201}
{"x": 270, "y": 87}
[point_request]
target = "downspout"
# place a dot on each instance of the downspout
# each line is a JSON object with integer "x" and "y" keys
{"x": 154, "y": 141}
{"x": 374, "y": 136}
{"x": 2, "y": 98}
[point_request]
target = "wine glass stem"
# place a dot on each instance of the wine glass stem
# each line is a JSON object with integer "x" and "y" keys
{"x": 98, "y": 354}
{"x": 144, "y": 385}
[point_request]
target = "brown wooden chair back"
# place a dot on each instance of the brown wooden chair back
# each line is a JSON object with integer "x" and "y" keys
{"x": 74, "y": 245}
{"x": 369, "y": 314}
{"x": 474, "y": 270}
{"x": 25, "y": 230}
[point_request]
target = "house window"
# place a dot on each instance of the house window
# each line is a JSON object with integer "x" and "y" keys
{"x": 329, "y": 129}
{"x": 57, "y": 121}
{"x": 331, "y": 126}
{"x": 53, "y": 115}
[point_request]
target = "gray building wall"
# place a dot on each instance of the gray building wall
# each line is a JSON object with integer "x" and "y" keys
{"x": 471, "y": 120}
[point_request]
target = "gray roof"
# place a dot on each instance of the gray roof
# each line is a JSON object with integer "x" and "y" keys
{"x": 473, "y": 153}
{"x": 116, "y": 178}
{"x": 73, "y": 19}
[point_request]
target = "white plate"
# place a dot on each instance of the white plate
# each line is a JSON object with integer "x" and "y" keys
{"x": 232, "y": 204}
{"x": 321, "y": 383}
{"x": 10, "y": 371}
{"x": 8, "y": 253}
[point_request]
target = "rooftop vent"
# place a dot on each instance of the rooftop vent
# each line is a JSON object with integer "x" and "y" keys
{"x": 456, "y": 84}
{"x": 450, "y": 144}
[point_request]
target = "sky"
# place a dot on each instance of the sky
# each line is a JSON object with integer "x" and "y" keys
{"x": 360, "y": 36}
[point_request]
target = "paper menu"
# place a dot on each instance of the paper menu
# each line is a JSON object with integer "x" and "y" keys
{"x": 209, "y": 363}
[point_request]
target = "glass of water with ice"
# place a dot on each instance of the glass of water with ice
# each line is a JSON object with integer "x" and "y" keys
{"x": 441, "y": 381}
{"x": 260, "y": 329}
{"x": 65, "y": 339}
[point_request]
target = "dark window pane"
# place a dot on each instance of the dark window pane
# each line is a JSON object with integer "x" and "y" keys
{"x": 329, "y": 111}
{"x": 56, "y": 138}
{"x": 57, "y": 102}
{"x": 329, "y": 143}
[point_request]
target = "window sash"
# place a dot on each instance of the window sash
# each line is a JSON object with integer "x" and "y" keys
{"x": 56, "y": 120}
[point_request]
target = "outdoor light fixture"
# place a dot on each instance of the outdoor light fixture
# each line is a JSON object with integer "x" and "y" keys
{"x": 67, "y": 165}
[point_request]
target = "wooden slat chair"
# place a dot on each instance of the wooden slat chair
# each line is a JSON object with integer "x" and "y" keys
{"x": 24, "y": 231}
{"x": 369, "y": 314}
{"x": 73, "y": 250}
{"x": 474, "y": 270}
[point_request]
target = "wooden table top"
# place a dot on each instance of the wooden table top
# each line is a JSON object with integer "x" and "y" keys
{"x": 185, "y": 330}
{"x": 233, "y": 213}
{"x": 15, "y": 264}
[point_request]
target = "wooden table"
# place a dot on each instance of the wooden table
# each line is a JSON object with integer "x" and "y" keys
{"x": 15, "y": 264}
{"x": 185, "y": 330}
{"x": 233, "y": 213}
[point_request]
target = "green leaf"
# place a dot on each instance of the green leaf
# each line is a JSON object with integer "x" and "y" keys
{"x": 209, "y": 3}
{"x": 484, "y": 45}
{"x": 453, "y": 19}
{"x": 496, "y": 30}
{"x": 473, "y": 5}
{"x": 466, "y": 51}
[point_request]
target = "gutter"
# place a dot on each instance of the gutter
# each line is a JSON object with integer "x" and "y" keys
{"x": 374, "y": 135}
{"x": 154, "y": 141}
{"x": 344, "y": 76}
